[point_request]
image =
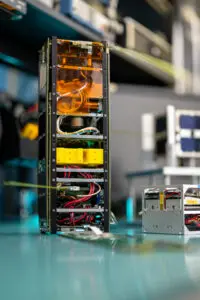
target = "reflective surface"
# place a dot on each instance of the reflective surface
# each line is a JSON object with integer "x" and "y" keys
{"x": 53, "y": 267}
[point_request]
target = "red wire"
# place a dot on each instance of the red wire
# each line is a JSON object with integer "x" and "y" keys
{"x": 86, "y": 198}
{"x": 71, "y": 220}
{"x": 33, "y": 108}
{"x": 170, "y": 194}
{"x": 65, "y": 174}
{"x": 81, "y": 218}
{"x": 83, "y": 199}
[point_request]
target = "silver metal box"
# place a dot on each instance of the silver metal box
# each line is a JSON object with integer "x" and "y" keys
{"x": 171, "y": 210}
{"x": 139, "y": 38}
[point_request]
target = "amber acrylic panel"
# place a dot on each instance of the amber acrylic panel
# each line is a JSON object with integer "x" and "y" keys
{"x": 79, "y": 77}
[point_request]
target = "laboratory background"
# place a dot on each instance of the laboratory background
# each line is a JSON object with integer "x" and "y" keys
{"x": 100, "y": 149}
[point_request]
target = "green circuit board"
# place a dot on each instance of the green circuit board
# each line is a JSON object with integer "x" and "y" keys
{"x": 126, "y": 243}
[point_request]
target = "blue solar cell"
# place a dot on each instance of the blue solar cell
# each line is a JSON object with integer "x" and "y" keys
{"x": 187, "y": 144}
{"x": 187, "y": 122}
{"x": 197, "y": 145}
{"x": 197, "y": 121}
{"x": 190, "y": 144}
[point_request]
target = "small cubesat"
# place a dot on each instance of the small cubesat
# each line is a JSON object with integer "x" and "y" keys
{"x": 171, "y": 210}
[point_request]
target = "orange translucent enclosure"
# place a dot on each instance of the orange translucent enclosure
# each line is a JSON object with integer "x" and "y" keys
{"x": 79, "y": 77}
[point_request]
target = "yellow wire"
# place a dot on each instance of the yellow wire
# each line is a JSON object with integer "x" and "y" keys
{"x": 26, "y": 185}
{"x": 30, "y": 185}
{"x": 58, "y": 187}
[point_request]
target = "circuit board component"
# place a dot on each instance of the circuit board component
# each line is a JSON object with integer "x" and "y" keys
{"x": 74, "y": 159}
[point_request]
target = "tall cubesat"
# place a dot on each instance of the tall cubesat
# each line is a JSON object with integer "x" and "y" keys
{"x": 74, "y": 163}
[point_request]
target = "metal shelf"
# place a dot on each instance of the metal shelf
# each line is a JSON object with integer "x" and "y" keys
{"x": 191, "y": 212}
{"x": 79, "y": 137}
{"x": 132, "y": 58}
{"x": 181, "y": 171}
{"x": 79, "y": 180}
{"x": 42, "y": 22}
{"x": 65, "y": 21}
{"x": 80, "y": 170}
{"x": 162, "y": 7}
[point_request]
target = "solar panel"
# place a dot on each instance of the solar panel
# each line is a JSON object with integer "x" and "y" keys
{"x": 187, "y": 122}
{"x": 197, "y": 121}
{"x": 190, "y": 145}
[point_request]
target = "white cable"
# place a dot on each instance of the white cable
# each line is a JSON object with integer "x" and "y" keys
{"x": 95, "y": 230}
{"x": 59, "y": 122}
{"x": 59, "y": 186}
{"x": 91, "y": 195}
{"x": 113, "y": 219}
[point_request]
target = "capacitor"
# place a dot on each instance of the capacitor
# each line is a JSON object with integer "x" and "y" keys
{"x": 77, "y": 122}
